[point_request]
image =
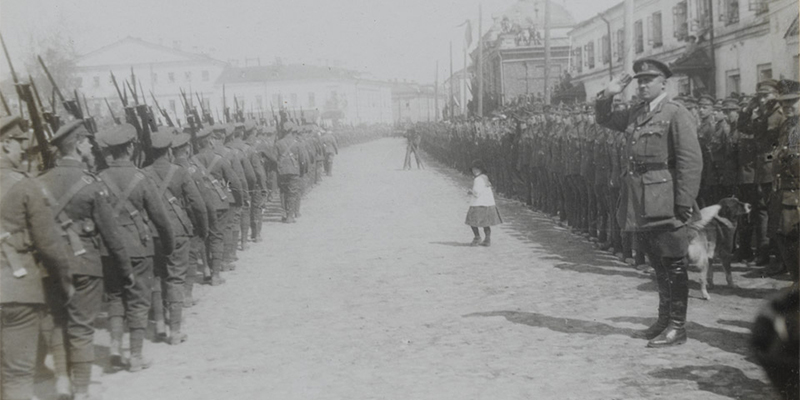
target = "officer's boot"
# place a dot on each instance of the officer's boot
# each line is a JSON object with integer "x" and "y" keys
{"x": 116, "y": 327}
{"x": 157, "y": 306}
{"x": 216, "y": 279}
{"x": 661, "y": 323}
{"x": 137, "y": 361}
{"x": 675, "y": 333}
{"x": 245, "y": 229}
{"x": 188, "y": 285}
{"x": 234, "y": 248}
{"x": 175, "y": 313}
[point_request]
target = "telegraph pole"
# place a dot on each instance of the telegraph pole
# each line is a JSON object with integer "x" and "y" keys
{"x": 546, "y": 51}
{"x": 450, "y": 100}
{"x": 480, "y": 61}
{"x": 628, "y": 48}
{"x": 436, "y": 94}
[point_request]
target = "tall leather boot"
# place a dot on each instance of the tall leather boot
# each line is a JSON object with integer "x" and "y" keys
{"x": 234, "y": 249}
{"x": 157, "y": 307}
{"x": 116, "y": 327}
{"x": 137, "y": 361}
{"x": 675, "y": 333}
{"x": 662, "y": 280}
{"x": 216, "y": 266}
{"x": 175, "y": 313}
{"x": 188, "y": 285}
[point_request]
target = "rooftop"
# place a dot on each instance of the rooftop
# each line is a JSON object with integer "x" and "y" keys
{"x": 281, "y": 72}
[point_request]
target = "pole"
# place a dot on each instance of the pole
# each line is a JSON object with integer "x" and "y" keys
{"x": 436, "y": 94}
{"x": 712, "y": 82}
{"x": 450, "y": 99}
{"x": 464, "y": 76}
{"x": 628, "y": 48}
{"x": 546, "y": 52}
{"x": 480, "y": 61}
{"x": 610, "y": 52}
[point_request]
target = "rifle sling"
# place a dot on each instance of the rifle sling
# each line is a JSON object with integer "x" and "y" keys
{"x": 172, "y": 200}
{"x": 124, "y": 202}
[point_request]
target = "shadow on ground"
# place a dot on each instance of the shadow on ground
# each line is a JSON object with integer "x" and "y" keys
{"x": 557, "y": 324}
{"x": 721, "y": 380}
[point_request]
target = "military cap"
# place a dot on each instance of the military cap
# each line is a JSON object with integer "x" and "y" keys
{"x": 11, "y": 128}
{"x": 767, "y": 86}
{"x": 71, "y": 128}
{"x": 730, "y": 104}
{"x": 180, "y": 139}
{"x": 706, "y": 100}
{"x": 650, "y": 67}
{"x": 249, "y": 125}
{"x": 289, "y": 126}
{"x": 204, "y": 133}
{"x": 789, "y": 90}
{"x": 744, "y": 100}
{"x": 690, "y": 101}
{"x": 229, "y": 129}
{"x": 239, "y": 126}
{"x": 161, "y": 139}
{"x": 117, "y": 135}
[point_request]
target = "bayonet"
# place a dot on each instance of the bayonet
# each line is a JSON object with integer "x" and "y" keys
{"x": 5, "y": 104}
{"x": 111, "y": 111}
{"x": 123, "y": 99}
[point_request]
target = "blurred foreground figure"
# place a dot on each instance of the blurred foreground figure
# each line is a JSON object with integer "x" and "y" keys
{"x": 776, "y": 341}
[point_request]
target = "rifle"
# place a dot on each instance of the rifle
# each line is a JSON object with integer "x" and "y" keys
{"x": 89, "y": 118}
{"x": 162, "y": 111}
{"x": 151, "y": 120}
{"x": 225, "y": 110}
{"x": 24, "y": 92}
{"x": 206, "y": 113}
{"x": 191, "y": 112}
{"x": 114, "y": 117}
{"x": 69, "y": 105}
{"x": 52, "y": 123}
{"x": 5, "y": 104}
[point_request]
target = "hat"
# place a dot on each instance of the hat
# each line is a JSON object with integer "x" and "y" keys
{"x": 11, "y": 128}
{"x": 161, "y": 139}
{"x": 289, "y": 126}
{"x": 117, "y": 135}
{"x": 690, "y": 101}
{"x": 788, "y": 89}
{"x": 204, "y": 133}
{"x": 249, "y": 126}
{"x": 180, "y": 139}
{"x": 73, "y": 127}
{"x": 239, "y": 126}
{"x": 767, "y": 86}
{"x": 650, "y": 67}
{"x": 730, "y": 104}
{"x": 229, "y": 129}
{"x": 706, "y": 100}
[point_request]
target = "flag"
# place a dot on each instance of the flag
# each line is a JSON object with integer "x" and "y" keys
{"x": 467, "y": 32}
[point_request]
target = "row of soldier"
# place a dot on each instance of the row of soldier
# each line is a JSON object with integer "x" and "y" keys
{"x": 560, "y": 161}
{"x": 134, "y": 241}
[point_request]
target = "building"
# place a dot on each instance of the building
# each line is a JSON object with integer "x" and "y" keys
{"x": 162, "y": 70}
{"x": 713, "y": 46}
{"x": 322, "y": 94}
{"x": 513, "y": 53}
{"x": 462, "y": 92}
{"x": 413, "y": 102}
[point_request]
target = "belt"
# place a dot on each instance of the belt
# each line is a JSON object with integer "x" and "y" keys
{"x": 642, "y": 168}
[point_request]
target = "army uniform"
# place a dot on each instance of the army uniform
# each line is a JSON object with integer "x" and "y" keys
{"x": 661, "y": 184}
{"x": 178, "y": 191}
{"x": 233, "y": 222}
{"x": 240, "y": 151}
{"x": 258, "y": 193}
{"x": 30, "y": 249}
{"x": 82, "y": 208}
{"x": 134, "y": 202}
{"x": 289, "y": 170}
{"x": 331, "y": 149}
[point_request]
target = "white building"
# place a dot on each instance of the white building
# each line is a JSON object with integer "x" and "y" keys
{"x": 738, "y": 44}
{"x": 323, "y": 94}
{"x": 160, "y": 69}
{"x": 414, "y": 102}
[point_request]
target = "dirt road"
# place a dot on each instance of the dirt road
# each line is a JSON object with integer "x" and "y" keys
{"x": 374, "y": 294}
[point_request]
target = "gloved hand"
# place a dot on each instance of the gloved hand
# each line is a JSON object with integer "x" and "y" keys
{"x": 129, "y": 281}
{"x": 683, "y": 213}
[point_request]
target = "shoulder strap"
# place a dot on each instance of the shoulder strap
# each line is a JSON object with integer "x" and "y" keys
{"x": 67, "y": 197}
{"x": 167, "y": 180}
{"x": 16, "y": 178}
{"x": 217, "y": 158}
{"x": 123, "y": 201}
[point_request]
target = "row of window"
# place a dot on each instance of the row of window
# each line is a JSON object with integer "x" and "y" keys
{"x": 205, "y": 76}
{"x": 585, "y": 57}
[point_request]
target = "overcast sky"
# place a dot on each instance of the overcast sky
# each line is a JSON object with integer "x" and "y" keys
{"x": 388, "y": 39}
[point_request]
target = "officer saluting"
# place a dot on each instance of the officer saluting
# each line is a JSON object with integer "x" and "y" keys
{"x": 134, "y": 199}
{"x": 81, "y": 206}
{"x": 26, "y": 226}
{"x": 660, "y": 187}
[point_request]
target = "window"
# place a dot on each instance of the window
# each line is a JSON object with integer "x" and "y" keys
{"x": 620, "y": 44}
{"x": 684, "y": 85}
{"x": 764, "y": 71}
{"x": 732, "y": 82}
{"x": 154, "y": 78}
{"x": 638, "y": 34}
{"x": 658, "y": 39}
{"x": 759, "y": 6}
{"x": 172, "y": 106}
{"x": 729, "y": 11}
{"x": 171, "y": 77}
{"x": 577, "y": 59}
{"x": 703, "y": 15}
{"x": 311, "y": 100}
{"x": 680, "y": 21}
{"x": 590, "y": 54}
{"x": 187, "y": 76}
{"x": 606, "y": 46}
{"x": 205, "y": 76}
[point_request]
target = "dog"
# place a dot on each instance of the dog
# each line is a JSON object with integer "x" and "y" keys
{"x": 713, "y": 236}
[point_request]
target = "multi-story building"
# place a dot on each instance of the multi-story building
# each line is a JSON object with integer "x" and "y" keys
{"x": 414, "y": 102}
{"x": 322, "y": 94}
{"x": 513, "y": 54}
{"x": 162, "y": 70}
{"x": 713, "y": 46}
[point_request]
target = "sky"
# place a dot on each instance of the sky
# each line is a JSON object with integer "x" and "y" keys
{"x": 385, "y": 39}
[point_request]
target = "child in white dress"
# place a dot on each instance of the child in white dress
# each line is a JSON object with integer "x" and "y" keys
{"x": 483, "y": 212}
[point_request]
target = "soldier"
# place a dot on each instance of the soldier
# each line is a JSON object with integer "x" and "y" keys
{"x": 330, "y": 147}
{"x": 259, "y": 192}
{"x": 661, "y": 183}
{"x": 80, "y": 201}
{"x": 706, "y": 136}
{"x": 226, "y": 184}
{"x": 233, "y": 224}
{"x": 31, "y": 249}
{"x": 176, "y": 187}
{"x": 134, "y": 201}
{"x": 289, "y": 171}
{"x": 785, "y": 202}
{"x": 239, "y": 152}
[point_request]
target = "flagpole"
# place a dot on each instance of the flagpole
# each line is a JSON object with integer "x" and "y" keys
{"x": 464, "y": 76}
{"x": 546, "y": 51}
{"x": 450, "y": 100}
{"x": 436, "y": 94}
{"x": 480, "y": 61}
